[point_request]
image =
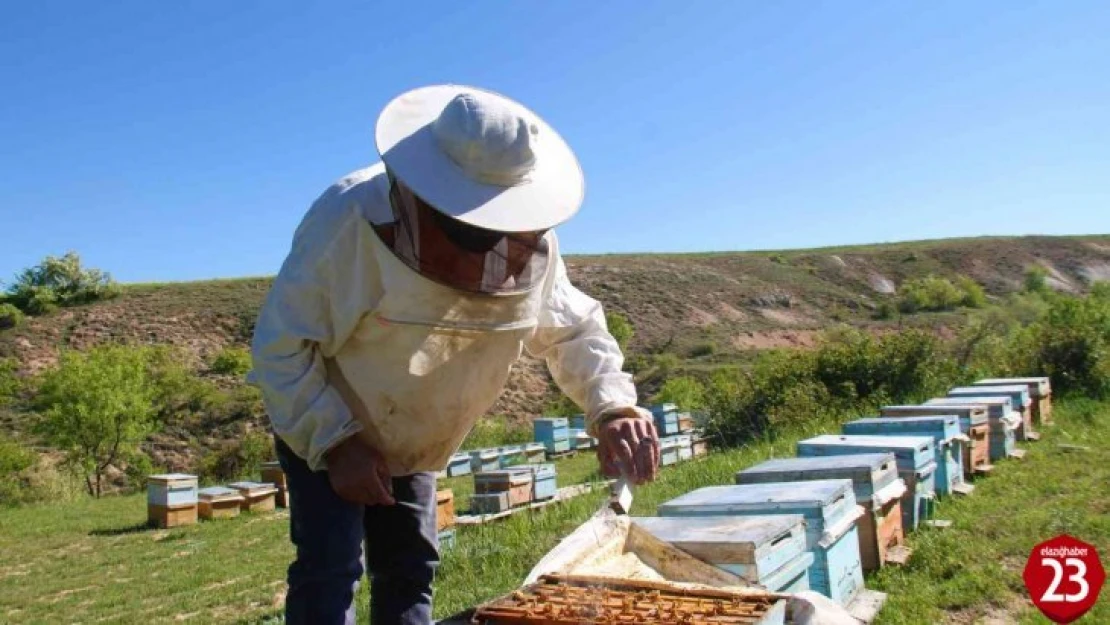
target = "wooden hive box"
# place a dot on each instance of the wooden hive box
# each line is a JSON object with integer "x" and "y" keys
{"x": 511, "y": 456}
{"x": 685, "y": 423}
{"x": 553, "y": 432}
{"x": 171, "y": 499}
{"x": 272, "y": 473}
{"x": 544, "y": 485}
{"x": 1020, "y": 399}
{"x": 949, "y": 444}
{"x": 830, "y": 511}
{"x": 758, "y": 549}
{"x": 668, "y": 451}
{"x": 699, "y": 445}
{"x": 685, "y": 444}
{"x": 489, "y": 503}
{"x": 973, "y": 423}
{"x": 458, "y": 464}
{"x": 876, "y": 484}
{"x": 257, "y": 497}
{"x": 535, "y": 452}
{"x": 445, "y": 509}
{"x": 913, "y": 454}
{"x": 516, "y": 483}
{"x": 1040, "y": 391}
{"x": 1003, "y": 422}
{"x": 485, "y": 460}
{"x": 219, "y": 502}
{"x": 666, "y": 419}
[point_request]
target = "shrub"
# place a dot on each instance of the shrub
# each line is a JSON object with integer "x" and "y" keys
{"x": 10, "y": 316}
{"x": 10, "y": 384}
{"x": 237, "y": 459}
{"x": 497, "y": 431}
{"x": 666, "y": 362}
{"x": 1071, "y": 344}
{"x": 620, "y": 327}
{"x": 704, "y": 348}
{"x": 684, "y": 391}
{"x": 886, "y": 310}
{"x": 931, "y": 293}
{"x": 1036, "y": 280}
{"x": 98, "y": 405}
{"x": 232, "y": 361}
{"x": 974, "y": 296}
{"x": 59, "y": 282}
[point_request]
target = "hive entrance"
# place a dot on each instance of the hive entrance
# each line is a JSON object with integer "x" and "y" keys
{"x": 559, "y": 600}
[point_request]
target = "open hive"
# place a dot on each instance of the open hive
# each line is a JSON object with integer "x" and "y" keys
{"x": 558, "y": 600}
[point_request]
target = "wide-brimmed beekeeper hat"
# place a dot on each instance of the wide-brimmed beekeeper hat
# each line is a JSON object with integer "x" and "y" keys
{"x": 481, "y": 158}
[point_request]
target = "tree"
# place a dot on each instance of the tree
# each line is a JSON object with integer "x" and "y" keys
{"x": 59, "y": 282}
{"x": 619, "y": 327}
{"x": 684, "y": 391}
{"x": 99, "y": 405}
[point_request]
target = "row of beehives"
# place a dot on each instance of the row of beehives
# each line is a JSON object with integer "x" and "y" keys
{"x": 843, "y": 507}
{"x": 173, "y": 499}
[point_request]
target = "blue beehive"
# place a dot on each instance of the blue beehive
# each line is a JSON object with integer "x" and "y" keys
{"x": 485, "y": 460}
{"x": 543, "y": 482}
{"x": 553, "y": 432}
{"x": 459, "y": 464}
{"x": 914, "y": 456}
{"x": 172, "y": 490}
{"x": 668, "y": 451}
{"x": 758, "y": 549}
{"x": 830, "y": 511}
{"x": 1020, "y": 399}
{"x": 511, "y": 455}
{"x": 1003, "y": 421}
{"x": 535, "y": 452}
{"x": 666, "y": 419}
{"x": 945, "y": 430}
{"x": 578, "y": 422}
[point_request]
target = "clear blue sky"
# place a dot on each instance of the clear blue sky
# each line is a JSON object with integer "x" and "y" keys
{"x": 184, "y": 140}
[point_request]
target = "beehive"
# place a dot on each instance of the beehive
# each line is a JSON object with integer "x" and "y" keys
{"x": 830, "y": 511}
{"x": 553, "y": 432}
{"x": 172, "y": 499}
{"x": 579, "y": 439}
{"x": 668, "y": 451}
{"x": 1040, "y": 391}
{"x": 876, "y": 484}
{"x": 535, "y": 452}
{"x": 913, "y": 454}
{"x": 485, "y": 460}
{"x": 1003, "y": 421}
{"x": 973, "y": 423}
{"x": 257, "y": 497}
{"x": 568, "y": 600}
{"x": 458, "y": 464}
{"x": 758, "y": 549}
{"x": 685, "y": 423}
{"x": 700, "y": 445}
{"x": 445, "y": 509}
{"x": 578, "y": 422}
{"x": 219, "y": 502}
{"x": 544, "y": 482}
{"x": 511, "y": 456}
{"x": 949, "y": 443}
{"x": 666, "y": 419}
{"x": 272, "y": 473}
{"x": 516, "y": 483}
{"x": 1019, "y": 398}
{"x": 489, "y": 503}
{"x": 685, "y": 444}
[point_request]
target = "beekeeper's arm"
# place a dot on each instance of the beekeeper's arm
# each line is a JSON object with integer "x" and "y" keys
{"x": 585, "y": 361}
{"x": 311, "y": 310}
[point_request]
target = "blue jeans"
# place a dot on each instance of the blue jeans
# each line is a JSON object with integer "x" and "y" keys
{"x": 402, "y": 549}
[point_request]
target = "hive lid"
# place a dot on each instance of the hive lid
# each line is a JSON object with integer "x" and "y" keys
{"x": 919, "y": 444}
{"x": 169, "y": 478}
{"x": 252, "y": 487}
{"x": 869, "y": 461}
{"x": 1018, "y": 393}
{"x": 273, "y": 464}
{"x": 816, "y": 493}
{"x": 1038, "y": 386}
{"x": 940, "y": 427}
{"x": 218, "y": 493}
{"x": 444, "y": 495}
{"x": 995, "y": 405}
{"x": 722, "y": 539}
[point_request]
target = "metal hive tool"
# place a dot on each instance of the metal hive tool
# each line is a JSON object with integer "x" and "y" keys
{"x": 561, "y": 600}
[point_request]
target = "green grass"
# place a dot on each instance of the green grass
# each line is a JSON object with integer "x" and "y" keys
{"x": 93, "y": 559}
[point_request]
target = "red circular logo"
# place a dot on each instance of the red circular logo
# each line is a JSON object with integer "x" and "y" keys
{"x": 1064, "y": 577}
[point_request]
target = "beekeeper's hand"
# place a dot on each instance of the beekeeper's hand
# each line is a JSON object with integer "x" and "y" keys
{"x": 629, "y": 439}
{"x": 358, "y": 473}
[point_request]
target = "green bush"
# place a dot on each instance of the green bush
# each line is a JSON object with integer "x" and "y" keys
{"x": 10, "y": 383}
{"x": 497, "y": 431}
{"x": 10, "y": 316}
{"x": 885, "y": 310}
{"x": 620, "y": 327}
{"x": 666, "y": 363}
{"x": 238, "y": 459}
{"x": 1071, "y": 344}
{"x": 99, "y": 405}
{"x": 934, "y": 293}
{"x": 704, "y": 348}
{"x": 59, "y": 282}
{"x": 232, "y": 361}
{"x": 1036, "y": 280}
{"x": 684, "y": 391}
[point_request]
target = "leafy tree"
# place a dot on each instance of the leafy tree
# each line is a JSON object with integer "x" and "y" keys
{"x": 59, "y": 282}
{"x": 10, "y": 316}
{"x": 99, "y": 405}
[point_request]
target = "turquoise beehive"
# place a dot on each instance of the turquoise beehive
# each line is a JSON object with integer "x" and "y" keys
{"x": 763, "y": 550}
{"x": 1020, "y": 398}
{"x": 666, "y": 419}
{"x": 945, "y": 430}
{"x": 459, "y": 464}
{"x": 914, "y": 456}
{"x": 553, "y": 432}
{"x": 1004, "y": 422}
{"x": 830, "y": 511}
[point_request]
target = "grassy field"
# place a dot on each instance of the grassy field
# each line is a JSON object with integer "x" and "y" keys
{"x": 93, "y": 561}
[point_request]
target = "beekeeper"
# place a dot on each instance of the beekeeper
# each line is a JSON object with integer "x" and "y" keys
{"x": 411, "y": 288}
